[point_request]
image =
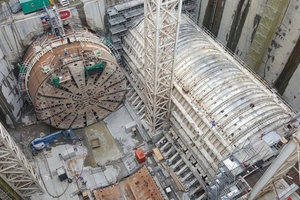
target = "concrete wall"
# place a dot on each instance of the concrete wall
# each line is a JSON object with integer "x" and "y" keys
{"x": 249, "y": 27}
{"x": 238, "y": 22}
{"x": 282, "y": 44}
{"x": 15, "y": 35}
{"x": 292, "y": 92}
{"x": 75, "y": 19}
{"x": 237, "y": 28}
{"x": 94, "y": 12}
{"x": 10, "y": 99}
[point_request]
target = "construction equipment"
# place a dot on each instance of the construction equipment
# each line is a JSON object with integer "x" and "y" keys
{"x": 72, "y": 99}
{"x": 16, "y": 171}
{"x": 62, "y": 174}
{"x": 33, "y": 5}
{"x": 41, "y": 143}
{"x": 160, "y": 42}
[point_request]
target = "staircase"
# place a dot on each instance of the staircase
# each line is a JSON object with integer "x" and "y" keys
{"x": 64, "y": 2}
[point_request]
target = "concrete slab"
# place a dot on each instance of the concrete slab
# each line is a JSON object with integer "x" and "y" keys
{"x": 116, "y": 122}
{"x": 47, "y": 163}
{"x": 115, "y": 157}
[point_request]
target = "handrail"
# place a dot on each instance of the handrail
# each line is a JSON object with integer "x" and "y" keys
{"x": 45, "y": 45}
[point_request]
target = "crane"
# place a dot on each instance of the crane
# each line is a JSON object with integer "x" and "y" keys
{"x": 161, "y": 24}
{"x": 40, "y": 143}
{"x": 15, "y": 169}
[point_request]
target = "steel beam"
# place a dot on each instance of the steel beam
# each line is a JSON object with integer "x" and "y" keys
{"x": 15, "y": 169}
{"x": 160, "y": 42}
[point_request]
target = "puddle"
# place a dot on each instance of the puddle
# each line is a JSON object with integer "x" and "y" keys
{"x": 108, "y": 149}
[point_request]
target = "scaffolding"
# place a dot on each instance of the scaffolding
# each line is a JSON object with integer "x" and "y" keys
{"x": 120, "y": 17}
{"x": 238, "y": 172}
{"x": 21, "y": 82}
{"x": 57, "y": 27}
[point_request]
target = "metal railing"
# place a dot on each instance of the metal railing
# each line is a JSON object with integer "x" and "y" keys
{"x": 45, "y": 44}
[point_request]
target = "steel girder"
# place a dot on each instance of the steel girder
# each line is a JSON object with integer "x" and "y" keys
{"x": 160, "y": 40}
{"x": 15, "y": 169}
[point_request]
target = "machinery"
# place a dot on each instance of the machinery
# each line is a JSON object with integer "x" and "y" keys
{"x": 29, "y": 6}
{"x": 40, "y": 143}
{"x": 72, "y": 85}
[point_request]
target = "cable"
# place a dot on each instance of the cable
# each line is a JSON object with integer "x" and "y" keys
{"x": 57, "y": 196}
{"x": 53, "y": 196}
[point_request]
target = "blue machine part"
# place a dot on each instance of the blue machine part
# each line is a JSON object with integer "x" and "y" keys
{"x": 69, "y": 133}
{"x": 40, "y": 143}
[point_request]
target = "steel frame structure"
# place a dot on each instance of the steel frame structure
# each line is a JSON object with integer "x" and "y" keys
{"x": 55, "y": 20}
{"x": 15, "y": 169}
{"x": 161, "y": 29}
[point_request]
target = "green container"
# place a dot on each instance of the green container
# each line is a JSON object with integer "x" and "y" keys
{"x": 29, "y": 6}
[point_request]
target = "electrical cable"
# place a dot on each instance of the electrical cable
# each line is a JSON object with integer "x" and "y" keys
{"x": 53, "y": 196}
{"x": 57, "y": 196}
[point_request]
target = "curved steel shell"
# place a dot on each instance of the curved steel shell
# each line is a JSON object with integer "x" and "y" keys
{"x": 209, "y": 85}
{"x": 224, "y": 89}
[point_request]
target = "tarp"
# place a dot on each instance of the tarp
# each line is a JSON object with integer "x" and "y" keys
{"x": 107, "y": 41}
{"x": 22, "y": 68}
{"x": 56, "y": 82}
{"x": 98, "y": 67}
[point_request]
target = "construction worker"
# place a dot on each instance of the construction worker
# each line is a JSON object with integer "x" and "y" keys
{"x": 59, "y": 59}
{"x": 75, "y": 148}
{"x": 65, "y": 52}
{"x": 83, "y": 182}
{"x": 213, "y": 123}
